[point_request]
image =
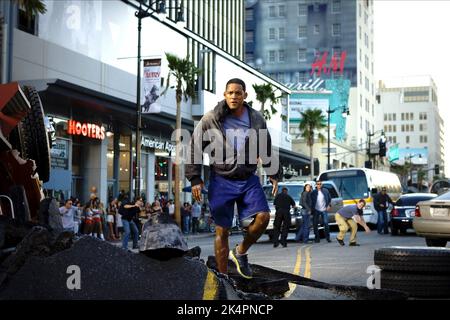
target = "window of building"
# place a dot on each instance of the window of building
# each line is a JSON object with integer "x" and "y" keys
{"x": 367, "y": 105}
{"x": 302, "y": 31}
{"x": 281, "y": 77}
{"x": 360, "y": 55}
{"x": 272, "y": 56}
{"x": 407, "y": 116}
{"x": 385, "y": 128}
{"x": 282, "y": 11}
{"x": 302, "y": 9}
{"x": 272, "y": 34}
{"x": 411, "y": 116}
{"x": 316, "y": 29}
{"x": 403, "y": 128}
{"x": 336, "y": 6}
{"x": 360, "y": 123}
{"x": 336, "y": 29}
{"x": 25, "y": 22}
{"x": 366, "y": 62}
{"x": 407, "y": 139}
{"x": 423, "y": 127}
{"x": 301, "y": 55}
{"x": 412, "y": 127}
{"x": 361, "y": 100}
{"x": 249, "y": 14}
{"x": 359, "y": 10}
{"x": 388, "y": 116}
{"x": 423, "y": 116}
{"x": 394, "y": 139}
{"x": 394, "y": 116}
{"x": 367, "y": 84}
{"x": 281, "y": 56}
{"x": 272, "y": 12}
{"x": 281, "y": 34}
{"x": 249, "y": 36}
{"x": 373, "y": 110}
{"x": 403, "y": 116}
{"x": 394, "y": 128}
{"x": 360, "y": 78}
{"x": 366, "y": 18}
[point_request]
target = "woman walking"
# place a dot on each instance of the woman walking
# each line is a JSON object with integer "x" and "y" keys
{"x": 306, "y": 203}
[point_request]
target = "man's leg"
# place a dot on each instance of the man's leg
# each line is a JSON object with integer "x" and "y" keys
{"x": 326, "y": 225}
{"x": 221, "y": 249}
{"x": 380, "y": 222}
{"x": 276, "y": 227}
{"x": 343, "y": 227}
{"x": 316, "y": 225}
{"x": 354, "y": 230}
{"x": 385, "y": 219}
{"x": 255, "y": 230}
{"x": 126, "y": 236}
{"x": 135, "y": 231}
{"x": 286, "y": 225}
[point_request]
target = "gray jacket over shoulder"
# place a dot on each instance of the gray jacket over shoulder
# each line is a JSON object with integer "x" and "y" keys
{"x": 210, "y": 135}
{"x": 306, "y": 202}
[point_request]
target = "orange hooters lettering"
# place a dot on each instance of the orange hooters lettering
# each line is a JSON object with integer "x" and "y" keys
{"x": 86, "y": 129}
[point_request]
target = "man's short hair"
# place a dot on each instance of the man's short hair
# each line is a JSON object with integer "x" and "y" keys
{"x": 362, "y": 200}
{"x": 383, "y": 189}
{"x": 236, "y": 81}
{"x": 284, "y": 189}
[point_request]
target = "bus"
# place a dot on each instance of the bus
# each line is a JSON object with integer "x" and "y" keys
{"x": 361, "y": 183}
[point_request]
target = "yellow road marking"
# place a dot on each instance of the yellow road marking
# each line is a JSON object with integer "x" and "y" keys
{"x": 308, "y": 263}
{"x": 210, "y": 291}
{"x": 298, "y": 264}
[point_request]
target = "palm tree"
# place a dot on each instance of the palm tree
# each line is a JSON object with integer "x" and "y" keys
{"x": 185, "y": 73}
{"x": 32, "y": 7}
{"x": 312, "y": 120}
{"x": 264, "y": 93}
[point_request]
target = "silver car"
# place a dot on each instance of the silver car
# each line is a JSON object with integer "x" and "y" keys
{"x": 295, "y": 189}
{"x": 432, "y": 220}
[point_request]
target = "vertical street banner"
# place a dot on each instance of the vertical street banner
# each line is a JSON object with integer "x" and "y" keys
{"x": 151, "y": 86}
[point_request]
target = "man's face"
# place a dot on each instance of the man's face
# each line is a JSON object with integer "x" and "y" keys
{"x": 235, "y": 96}
{"x": 69, "y": 204}
{"x": 360, "y": 205}
{"x": 319, "y": 185}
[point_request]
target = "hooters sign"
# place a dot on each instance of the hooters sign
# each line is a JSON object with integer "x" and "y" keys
{"x": 89, "y": 130}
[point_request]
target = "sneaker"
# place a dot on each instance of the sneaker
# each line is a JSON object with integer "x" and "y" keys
{"x": 341, "y": 242}
{"x": 275, "y": 245}
{"x": 241, "y": 263}
{"x": 329, "y": 240}
{"x": 354, "y": 244}
{"x": 284, "y": 245}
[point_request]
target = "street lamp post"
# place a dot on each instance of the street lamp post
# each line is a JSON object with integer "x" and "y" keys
{"x": 345, "y": 111}
{"x": 145, "y": 10}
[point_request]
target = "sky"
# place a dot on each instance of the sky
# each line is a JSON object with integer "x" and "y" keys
{"x": 412, "y": 38}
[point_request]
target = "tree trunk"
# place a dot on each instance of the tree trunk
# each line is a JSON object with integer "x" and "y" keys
{"x": 312, "y": 161}
{"x": 177, "y": 159}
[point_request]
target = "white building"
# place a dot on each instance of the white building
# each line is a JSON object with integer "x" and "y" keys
{"x": 81, "y": 56}
{"x": 412, "y": 120}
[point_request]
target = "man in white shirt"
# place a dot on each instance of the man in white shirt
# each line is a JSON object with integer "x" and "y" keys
{"x": 68, "y": 213}
{"x": 171, "y": 209}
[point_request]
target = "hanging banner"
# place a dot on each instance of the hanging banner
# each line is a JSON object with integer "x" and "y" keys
{"x": 151, "y": 86}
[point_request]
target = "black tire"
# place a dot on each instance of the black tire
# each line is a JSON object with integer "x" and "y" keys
{"x": 413, "y": 259}
{"x": 33, "y": 135}
{"x": 417, "y": 285}
{"x": 435, "y": 242}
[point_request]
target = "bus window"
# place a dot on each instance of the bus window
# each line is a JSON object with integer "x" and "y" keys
{"x": 352, "y": 184}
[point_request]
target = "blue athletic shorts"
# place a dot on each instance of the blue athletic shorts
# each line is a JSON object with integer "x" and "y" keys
{"x": 223, "y": 193}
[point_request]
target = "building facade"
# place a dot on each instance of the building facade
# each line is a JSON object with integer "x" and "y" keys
{"x": 413, "y": 123}
{"x": 300, "y": 42}
{"x": 81, "y": 57}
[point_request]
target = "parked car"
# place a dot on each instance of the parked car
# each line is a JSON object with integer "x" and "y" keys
{"x": 432, "y": 220}
{"x": 402, "y": 215}
{"x": 295, "y": 189}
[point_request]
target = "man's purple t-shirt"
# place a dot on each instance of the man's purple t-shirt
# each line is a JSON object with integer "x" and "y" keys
{"x": 242, "y": 124}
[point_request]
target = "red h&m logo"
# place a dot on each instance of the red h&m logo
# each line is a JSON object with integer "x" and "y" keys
{"x": 85, "y": 129}
{"x": 336, "y": 63}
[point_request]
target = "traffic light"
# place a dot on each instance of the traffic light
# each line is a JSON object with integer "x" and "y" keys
{"x": 382, "y": 150}
{"x": 436, "y": 169}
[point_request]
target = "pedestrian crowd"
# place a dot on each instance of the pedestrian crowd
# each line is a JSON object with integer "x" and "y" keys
{"x": 121, "y": 219}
